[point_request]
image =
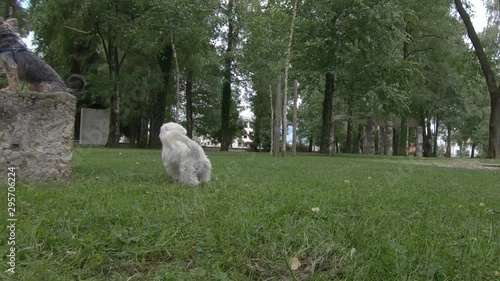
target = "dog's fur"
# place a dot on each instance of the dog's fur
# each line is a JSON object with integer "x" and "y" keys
{"x": 184, "y": 159}
{"x": 20, "y": 63}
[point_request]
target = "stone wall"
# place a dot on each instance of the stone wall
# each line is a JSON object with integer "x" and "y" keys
{"x": 36, "y": 135}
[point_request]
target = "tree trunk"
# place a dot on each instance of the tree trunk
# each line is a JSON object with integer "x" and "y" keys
{"x": 420, "y": 141}
{"x": 436, "y": 127}
{"x": 494, "y": 128}
{"x": 359, "y": 140}
{"x": 311, "y": 141}
{"x": 396, "y": 138}
{"x": 336, "y": 145}
{"x": 272, "y": 119}
{"x": 490, "y": 77}
{"x": 363, "y": 139}
{"x": 189, "y": 105}
{"x": 277, "y": 120}
{"x": 389, "y": 133}
{"x": 226, "y": 88}
{"x": 381, "y": 141}
{"x": 349, "y": 137}
{"x": 287, "y": 67}
{"x": 294, "y": 123}
{"x": 260, "y": 137}
{"x": 177, "y": 83}
{"x": 350, "y": 126}
{"x": 448, "y": 142}
{"x": 332, "y": 149}
{"x": 400, "y": 144}
{"x": 143, "y": 138}
{"x": 427, "y": 138}
{"x": 327, "y": 113}
{"x": 369, "y": 144}
{"x": 159, "y": 102}
{"x": 402, "y": 138}
{"x": 135, "y": 130}
{"x": 472, "y": 150}
{"x": 114, "y": 71}
{"x": 332, "y": 146}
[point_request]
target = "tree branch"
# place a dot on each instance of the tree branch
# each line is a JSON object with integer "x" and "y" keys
{"x": 419, "y": 50}
{"x": 430, "y": 35}
{"x": 123, "y": 58}
{"x": 103, "y": 42}
{"x": 483, "y": 59}
{"x": 77, "y": 30}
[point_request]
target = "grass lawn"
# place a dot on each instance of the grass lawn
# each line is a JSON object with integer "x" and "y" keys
{"x": 374, "y": 218}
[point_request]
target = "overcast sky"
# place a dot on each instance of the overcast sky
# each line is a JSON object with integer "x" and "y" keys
{"x": 480, "y": 19}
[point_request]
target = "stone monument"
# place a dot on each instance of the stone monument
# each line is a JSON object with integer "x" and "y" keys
{"x": 94, "y": 126}
{"x": 36, "y": 135}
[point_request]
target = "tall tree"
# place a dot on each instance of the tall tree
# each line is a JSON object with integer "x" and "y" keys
{"x": 226, "y": 88}
{"x": 326, "y": 117}
{"x": 108, "y": 23}
{"x": 491, "y": 82}
{"x": 294, "y": 121}
{"x": 277, "y": 120}
{"x": 285, "y": 92}
{"x": 159, "y": 102}
{"x": 189, "y": 105}
{"x": 105, "y": 29}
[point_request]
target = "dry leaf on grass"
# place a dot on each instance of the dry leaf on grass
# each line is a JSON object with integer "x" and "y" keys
{"x": 294, "y": 263}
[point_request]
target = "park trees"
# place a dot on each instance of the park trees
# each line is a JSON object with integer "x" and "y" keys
{"x": 353, "y": 60}
{"x": 103, "y": 27}
{"x": 133, "y": 37}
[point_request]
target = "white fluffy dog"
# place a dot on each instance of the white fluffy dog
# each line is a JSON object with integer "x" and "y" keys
{"x": 184, "y": 159}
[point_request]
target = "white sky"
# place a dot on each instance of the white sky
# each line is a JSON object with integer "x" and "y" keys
{"x": 480, "y": 18}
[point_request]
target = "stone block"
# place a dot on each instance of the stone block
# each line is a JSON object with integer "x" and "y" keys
{"x": 36, "y": 135}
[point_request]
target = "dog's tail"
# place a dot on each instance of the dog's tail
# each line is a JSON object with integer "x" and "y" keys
{"x": 76, "y": 83}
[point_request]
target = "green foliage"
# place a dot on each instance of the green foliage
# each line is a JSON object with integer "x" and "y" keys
{"x": 207, "y": 117}
{"x": 390, "y": 58}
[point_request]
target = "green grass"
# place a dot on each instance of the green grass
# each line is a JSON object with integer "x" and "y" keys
{"x": 379, "y": 218}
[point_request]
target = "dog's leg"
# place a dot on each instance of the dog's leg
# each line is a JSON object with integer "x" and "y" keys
{"x": 204, "y": 173}
{"x": 12, "y": 79}
{"x": 188, "y": 175}
{"x": 10, "y": 66}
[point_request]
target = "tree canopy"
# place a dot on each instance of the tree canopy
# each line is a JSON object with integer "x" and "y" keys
{"x": 352, "y": 58}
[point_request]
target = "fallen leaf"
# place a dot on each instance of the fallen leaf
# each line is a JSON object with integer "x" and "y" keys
{"x": 315, "y": 209}
{"x": 481, "y": 204}
{"x": 294, "y": 263}
{"x": 353, "y": 251}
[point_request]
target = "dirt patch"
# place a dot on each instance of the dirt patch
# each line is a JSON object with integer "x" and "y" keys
{"x": 469, "y": 164}
{"x": 461, "y": 164}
